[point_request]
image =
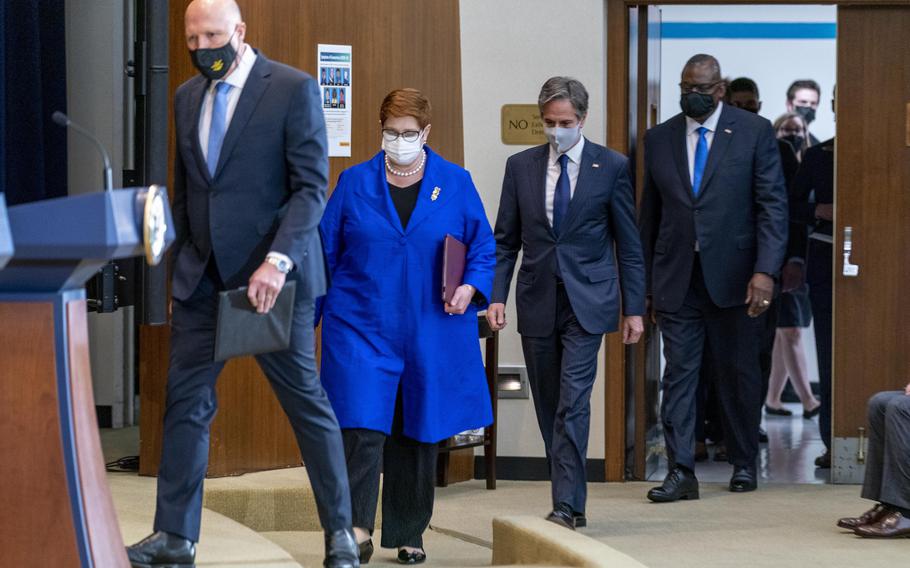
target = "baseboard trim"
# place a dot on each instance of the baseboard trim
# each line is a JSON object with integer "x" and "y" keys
{"x": 533, "y": 469}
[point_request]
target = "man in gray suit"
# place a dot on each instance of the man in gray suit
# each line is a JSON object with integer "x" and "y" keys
{"x": 250, "y": 177}
{"x": 568, "y": 205}
{"x": 887, "y": 478}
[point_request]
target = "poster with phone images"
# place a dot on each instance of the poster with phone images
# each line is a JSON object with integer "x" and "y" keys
{"x": 334, "y": 72}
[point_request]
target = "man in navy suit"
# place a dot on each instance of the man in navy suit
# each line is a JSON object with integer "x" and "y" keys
{"x": 568, "y": 205}
{"x": 714, "y": 230}
{"x": 250, "y": 177}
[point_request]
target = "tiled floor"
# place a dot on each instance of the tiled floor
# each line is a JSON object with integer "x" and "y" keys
{"x": 788, "y": 457}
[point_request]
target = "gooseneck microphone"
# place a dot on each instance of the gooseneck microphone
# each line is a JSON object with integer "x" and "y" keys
{"x": 65, "y": 122}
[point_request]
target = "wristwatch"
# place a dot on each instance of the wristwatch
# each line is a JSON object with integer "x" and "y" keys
{"x": 281, "y": 264}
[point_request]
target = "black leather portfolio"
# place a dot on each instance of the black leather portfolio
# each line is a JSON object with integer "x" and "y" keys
{"x": 243, "y": 331}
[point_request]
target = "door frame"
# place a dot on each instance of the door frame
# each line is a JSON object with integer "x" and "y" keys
{"x": 627, "y": 366}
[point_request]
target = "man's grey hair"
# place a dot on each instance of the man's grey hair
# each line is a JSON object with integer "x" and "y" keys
{"x": 557, "y": 88}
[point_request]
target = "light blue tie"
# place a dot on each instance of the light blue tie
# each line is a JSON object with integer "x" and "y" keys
{"x": 217, "y": 126}
{"x": 701, "y": 158}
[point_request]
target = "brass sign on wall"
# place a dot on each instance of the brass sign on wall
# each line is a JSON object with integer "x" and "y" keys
{"x": 521, "y": 124}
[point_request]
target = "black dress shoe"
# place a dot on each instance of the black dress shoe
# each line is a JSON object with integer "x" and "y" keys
{"x": 341, "y": 550}
{"x": 366, "y": 551}
{"x": 823, "y": 461}
{"x": 743, "y": 480}
{"x": 562, "y": 515}
{"x": 777, "y": 411}
{"x": 580, "y": 520}
{"x": 762, "y": 435}
{"x": 164, "y": 550}
{"x": 679, "y": 484}
{"x": 416, "y": 557}
{"x": 810, "y": 414}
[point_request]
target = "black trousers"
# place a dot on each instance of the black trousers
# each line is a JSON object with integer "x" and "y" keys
{"x": 191, "y": 406}
{"x": 733, "y": 342}
{"x": 408, "y": 483}
{"x": 819, "y": 272}
{"x": 561, "y": 371}
{"x": 888, "y": 461}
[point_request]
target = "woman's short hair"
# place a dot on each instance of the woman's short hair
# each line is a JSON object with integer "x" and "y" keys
{"x": 406, "y": 102}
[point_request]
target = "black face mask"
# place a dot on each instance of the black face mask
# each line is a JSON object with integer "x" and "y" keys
{"x": 214, "y": 62}
{"x": 807, "y": 112}
{"x": 795, "y": 140}
{"x": 696, "y": 105}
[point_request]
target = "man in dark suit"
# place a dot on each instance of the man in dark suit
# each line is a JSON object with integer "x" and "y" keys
{"x": 812, "y": 224}
{"x": 250, "y": 177}
{"x": 714, "y": 232}
{"x": 567, "y": 204}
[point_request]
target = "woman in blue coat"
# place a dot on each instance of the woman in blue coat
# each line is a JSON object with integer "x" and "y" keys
{"x": 402, "y": 368}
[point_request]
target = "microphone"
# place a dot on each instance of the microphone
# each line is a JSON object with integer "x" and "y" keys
{"x": 65, "y": 122}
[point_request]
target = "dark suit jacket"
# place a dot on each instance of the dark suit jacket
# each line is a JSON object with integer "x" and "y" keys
{"x": 739, "y": 217}
{"x": 814, "y": 183}
{"x": 601, "y": 215}
{"x": 268, "y": 191}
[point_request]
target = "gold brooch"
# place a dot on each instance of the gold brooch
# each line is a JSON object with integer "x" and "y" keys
{"x": 435, "y": 195}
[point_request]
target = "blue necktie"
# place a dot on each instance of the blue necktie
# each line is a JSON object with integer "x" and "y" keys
{"x": 701, "y": 158}
{"x": 562, "y": 195}
{"x": 217, "y": 126}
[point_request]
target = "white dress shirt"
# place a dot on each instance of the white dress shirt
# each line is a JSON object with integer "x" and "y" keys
{"x": 236, "y": 79}
{"x": 692, "y": 127}
{"x": 554, "y": 169}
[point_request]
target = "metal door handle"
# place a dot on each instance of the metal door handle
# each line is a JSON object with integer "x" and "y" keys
{"x": 850, "y": 269}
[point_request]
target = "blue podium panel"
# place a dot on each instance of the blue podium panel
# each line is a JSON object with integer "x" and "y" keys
{"x": 61, "y": 243}
{"x": 6, "y": 237}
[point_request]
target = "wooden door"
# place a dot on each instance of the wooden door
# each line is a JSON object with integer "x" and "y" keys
{"x": 872, "y": 155}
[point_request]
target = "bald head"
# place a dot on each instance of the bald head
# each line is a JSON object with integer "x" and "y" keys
{"x": 210, "y": 23}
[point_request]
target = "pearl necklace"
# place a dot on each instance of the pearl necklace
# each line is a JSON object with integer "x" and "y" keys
{"x": 394, "y": 172}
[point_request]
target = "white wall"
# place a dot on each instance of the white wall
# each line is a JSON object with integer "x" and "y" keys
{"x": 508, "y": 49}
{"x": 773, "y": 64}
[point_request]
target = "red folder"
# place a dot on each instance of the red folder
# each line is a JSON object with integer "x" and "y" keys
{"x": 453, "y": 259}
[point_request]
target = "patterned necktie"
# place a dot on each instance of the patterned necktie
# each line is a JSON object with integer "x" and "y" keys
{"x": 561, "y": 196}
{"x": 701, "y": 158}
{"x": 218, "y": 124}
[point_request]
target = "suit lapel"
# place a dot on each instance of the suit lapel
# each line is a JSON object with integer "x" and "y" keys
{"x": 196, "y": 96}
{"x": 378, "y": 196}
{"x": 432, "y": 184}
{"x": 256, "y": 84}
{"x": 719, "y": 145}
{"x": 681, "y": 152}
{"x": 582, "y": 184}
{"x": 538, "y": 186}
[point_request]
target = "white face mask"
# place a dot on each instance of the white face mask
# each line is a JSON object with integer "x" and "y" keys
{"x": 562, "y": 138}
{"x": 401, "y": 152}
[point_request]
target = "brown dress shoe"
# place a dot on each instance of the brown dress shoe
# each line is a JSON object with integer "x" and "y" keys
{"x": 870, "y": 516}
{"x": 892, "y": 525}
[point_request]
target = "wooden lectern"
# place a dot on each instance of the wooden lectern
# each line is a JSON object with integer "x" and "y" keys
{"x": 55, "y": 506}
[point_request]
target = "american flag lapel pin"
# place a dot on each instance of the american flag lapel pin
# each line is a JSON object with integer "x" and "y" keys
{"x": 728, "y": 131}
{"x": 435, "y": 195}
{"x": 595, "y": 165}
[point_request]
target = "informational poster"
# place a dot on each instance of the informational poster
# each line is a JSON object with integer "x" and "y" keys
{"x": 334, "y": 67}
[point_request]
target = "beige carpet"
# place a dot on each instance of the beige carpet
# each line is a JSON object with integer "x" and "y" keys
{"x": 775, "y": 527}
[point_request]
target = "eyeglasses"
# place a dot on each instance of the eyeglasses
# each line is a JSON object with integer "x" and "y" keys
{"x": 703, "y": 88}
{"x": 408, "y": 135}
